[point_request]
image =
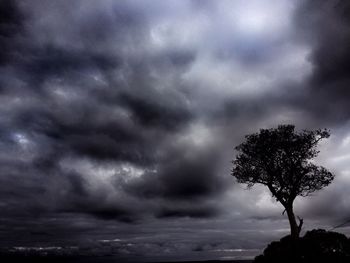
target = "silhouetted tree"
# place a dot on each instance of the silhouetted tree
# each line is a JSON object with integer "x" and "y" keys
{"x": 280, "y": 159}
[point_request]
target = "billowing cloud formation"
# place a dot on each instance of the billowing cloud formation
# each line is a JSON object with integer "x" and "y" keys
{"x": 125, "y": 114}
{"x": 326, "y": 28}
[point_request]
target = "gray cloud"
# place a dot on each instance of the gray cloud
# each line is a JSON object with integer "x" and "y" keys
{"x": 326, "y": 27}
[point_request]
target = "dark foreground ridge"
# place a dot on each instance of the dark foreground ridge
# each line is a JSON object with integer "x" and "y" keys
{"x": 315, "y": 246}
{"x": 208, "y": 261}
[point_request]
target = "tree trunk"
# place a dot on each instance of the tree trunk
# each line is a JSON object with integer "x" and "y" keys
{"x": 294, "y": 227}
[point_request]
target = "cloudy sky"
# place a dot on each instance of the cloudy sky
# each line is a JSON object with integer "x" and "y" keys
{"x": 118, "y": 121}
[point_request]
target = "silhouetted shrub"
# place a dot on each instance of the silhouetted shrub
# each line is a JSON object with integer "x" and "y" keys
{"x": 315, "y": 246}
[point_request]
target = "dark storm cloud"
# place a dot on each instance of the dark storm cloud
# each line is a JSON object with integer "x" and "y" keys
{"x": 51, "y": 61}
{"x": 153, "y": 113}
{"x": 326, "y": 27}
{"x": 182, "y": 174}
{"x": 11, "y": 23}
{"x": 196, "y": 212}
{"x": 78, "y": 92}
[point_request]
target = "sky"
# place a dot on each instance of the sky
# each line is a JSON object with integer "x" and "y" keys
{"x": 118, "y": 121}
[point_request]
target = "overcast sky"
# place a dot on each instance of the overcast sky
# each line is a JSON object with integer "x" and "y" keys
{"x": 118, "y": 121}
